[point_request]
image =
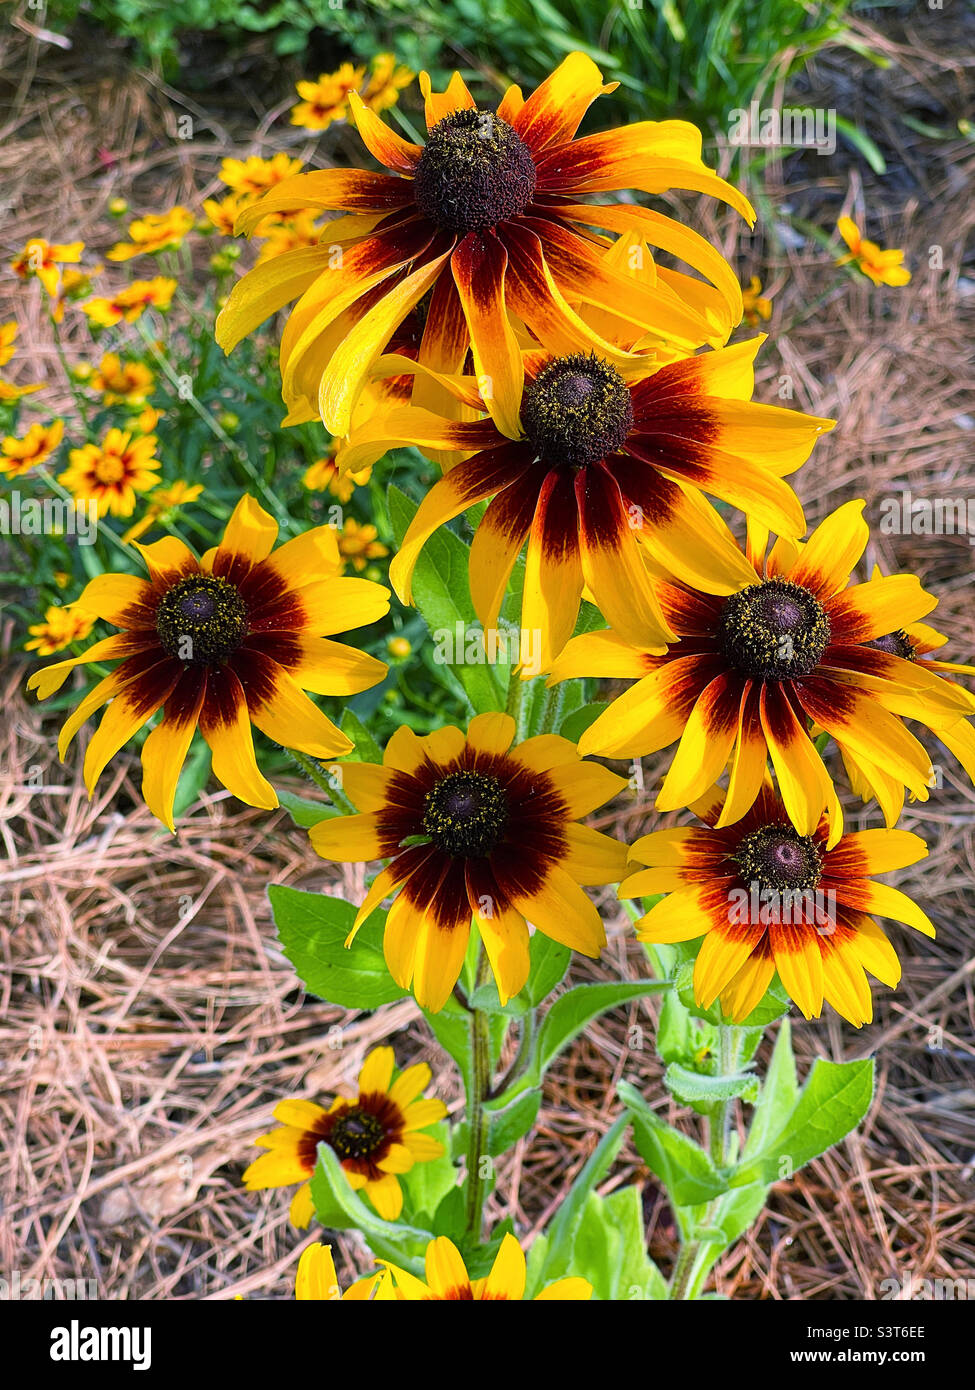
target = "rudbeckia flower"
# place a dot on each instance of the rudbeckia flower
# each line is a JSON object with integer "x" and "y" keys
{"x": 358, "y": 544}
{"x": 18, "y": 456}
{"x": 324, "y": 476}
{"x": 163, "y": 502}
{"x": 253, "y": 176}
{"x": 594, "y": 471}
{"x": 326, "y": 100}
{"x": 486, "y": 218}
{"x": 221, "y": 643}
{"x": 794, "y": 644}
{"x": 113, "y": 472}
{"x": 316, "y": 1280}
{"x": 448, "y": 1280}
{"x": 386, "y": 81}
{"x": 882, "y": 267}
{"x": 376, "y": 1136}
{"x": 765, "y": 899}
{"x": 130, "y": 303}
{"x": 473, "y": 830}
{"x": 154, "y": 233}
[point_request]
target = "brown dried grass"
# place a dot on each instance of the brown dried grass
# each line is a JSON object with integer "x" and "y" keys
{"x": 150, "y": 1020}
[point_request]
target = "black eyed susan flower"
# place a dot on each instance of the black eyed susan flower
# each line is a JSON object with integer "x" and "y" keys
{"x": 794, "y": 644}
{"x": 600, "y": 471}
{"x": 376, "y": 1136}
{"x": 486, "y": 218}
{"x": 448, "y": 1281}
{"x": 767, "y": 899}
{"x": 221, "y": 643}
{"x": 316, "y": 1280}
{"x": 474, "y": 828}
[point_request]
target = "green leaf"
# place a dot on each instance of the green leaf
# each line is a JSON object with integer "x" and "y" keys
{"x": 609, "y": 1250}
{"x": 441, "y": 591}
{"x": 509, "y": 1123}
{"x": 834, "y": 1100}
{"x": 683, "y": 1167}
{"x": 704, "y": 1093}
{"x": 780, "y": 1090}
{"x": 579, "y": 720}
{"x": 571, "y": 1012}
{"x": 862, "y": 142}
{"x": 549, "y": 962}
{"x": 561, "y": 1234}
{"x": 366, "y": 748}
{"x": 304, "y": 812}
{"x": 338, "y": 1208}
{"x": 312, "y": 929}
{"x": 426, "y": 1184}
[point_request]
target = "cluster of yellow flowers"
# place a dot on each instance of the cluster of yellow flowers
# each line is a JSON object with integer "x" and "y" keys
{"x": 327, "y": 100}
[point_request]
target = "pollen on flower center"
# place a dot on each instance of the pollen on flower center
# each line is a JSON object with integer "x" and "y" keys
{"x": 466, "y": 814}
{"x": 356, "y": 1134}
{"x": 775, "y": 630}
{"x": 202, "y": 619}
{"x": 777, "y": 857}
{"x": 577, "y": 410}
{"x": 894, "y": 644}
{"x": 109, "y": 469}
{"x": 475, "y": 171}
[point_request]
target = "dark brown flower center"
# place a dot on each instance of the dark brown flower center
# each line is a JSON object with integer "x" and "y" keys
{"x": 895, "y": 644}
{"x": 202, "y": 619}
{"x": 356, "y": 1134}
{"x": 577, "y": 410}
{"x": 466, "y": 813}
{"x": 474, "y": 172}
{"x": 775, "y": 630}
{"x": 777, "y": 857}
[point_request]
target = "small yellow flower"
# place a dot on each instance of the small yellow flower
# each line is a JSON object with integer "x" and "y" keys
{"x": 882, "y": 267}
{"x": 399, "y": 648}
{"x": 122, "y": 381}
{"x": 358, "y": 544}
{"x": 163, "y": 501}
{"x": 288, "y": 234}
{"x": 128, "y": 304}
{"x": 8, "y": 332}
{"x": 75, "y": 284}
{"x": 326, "y": 100}
{"x": 43, "y": 259}
{"x": 113, "y": 472}
{"x": 223, "y": 212}
{"x": 153, "y": 233}
{"x": 18, "y": 456}
{"x": 376, "y": 1136}
{"x": 316, "y": 1279}
{"x": 755, "y": 306}
{"x": 386, "y": 81}
{"x": 147, "y": 419}
{"x": 61, "y": 627}
{"x": 254, "y": 175}
{"x": 62, "y": 578}
{"x": 448, "y": 1280}
{"x": 323, "y": 475}
{"x": 9, "y": 393}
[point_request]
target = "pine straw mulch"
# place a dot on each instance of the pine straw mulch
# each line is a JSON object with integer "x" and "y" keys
{"x": 150, "y": 1021}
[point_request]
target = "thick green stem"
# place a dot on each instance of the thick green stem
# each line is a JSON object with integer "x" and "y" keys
{"x": 477, "y": 1120}
{"x": 552, "y": 708}
{"x": 321, "y": 778}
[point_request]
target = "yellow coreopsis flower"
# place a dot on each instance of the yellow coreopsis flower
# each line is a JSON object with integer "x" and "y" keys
{"x": 43, "y": 259}
{"x": 386, "y": 81}
{"x": 252, "y": 176}
{"x": 755, "y": 306}
{"x": 221, "y": 643}
{"x": 62, "y": 625}
{"x": 326, "y": 100}
{"x": 376, "y": 1136}
{"x": 18, "y": 456}
{"x": 113, "y": 472}
{"x": 8, "y": 334}
{"x": 449, "y": 1282}
{"x": 162, "y": 501}
{"x": 324, "y": 476}
{"x": 316, "y": 1279}
{"x": 358, "y": 544}
{"x": 153, "y": 233}
{"x": 75, "y": 284}
{"x": 882, "y": 267}
{"x": 121, "y": 381}
{"x": 223, "y": 212}
{"x": 129, "y": 303}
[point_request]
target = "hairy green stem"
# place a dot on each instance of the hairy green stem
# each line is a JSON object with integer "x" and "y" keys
{"x": 477, "y": 1120}
{"x": 320, "y": 777}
